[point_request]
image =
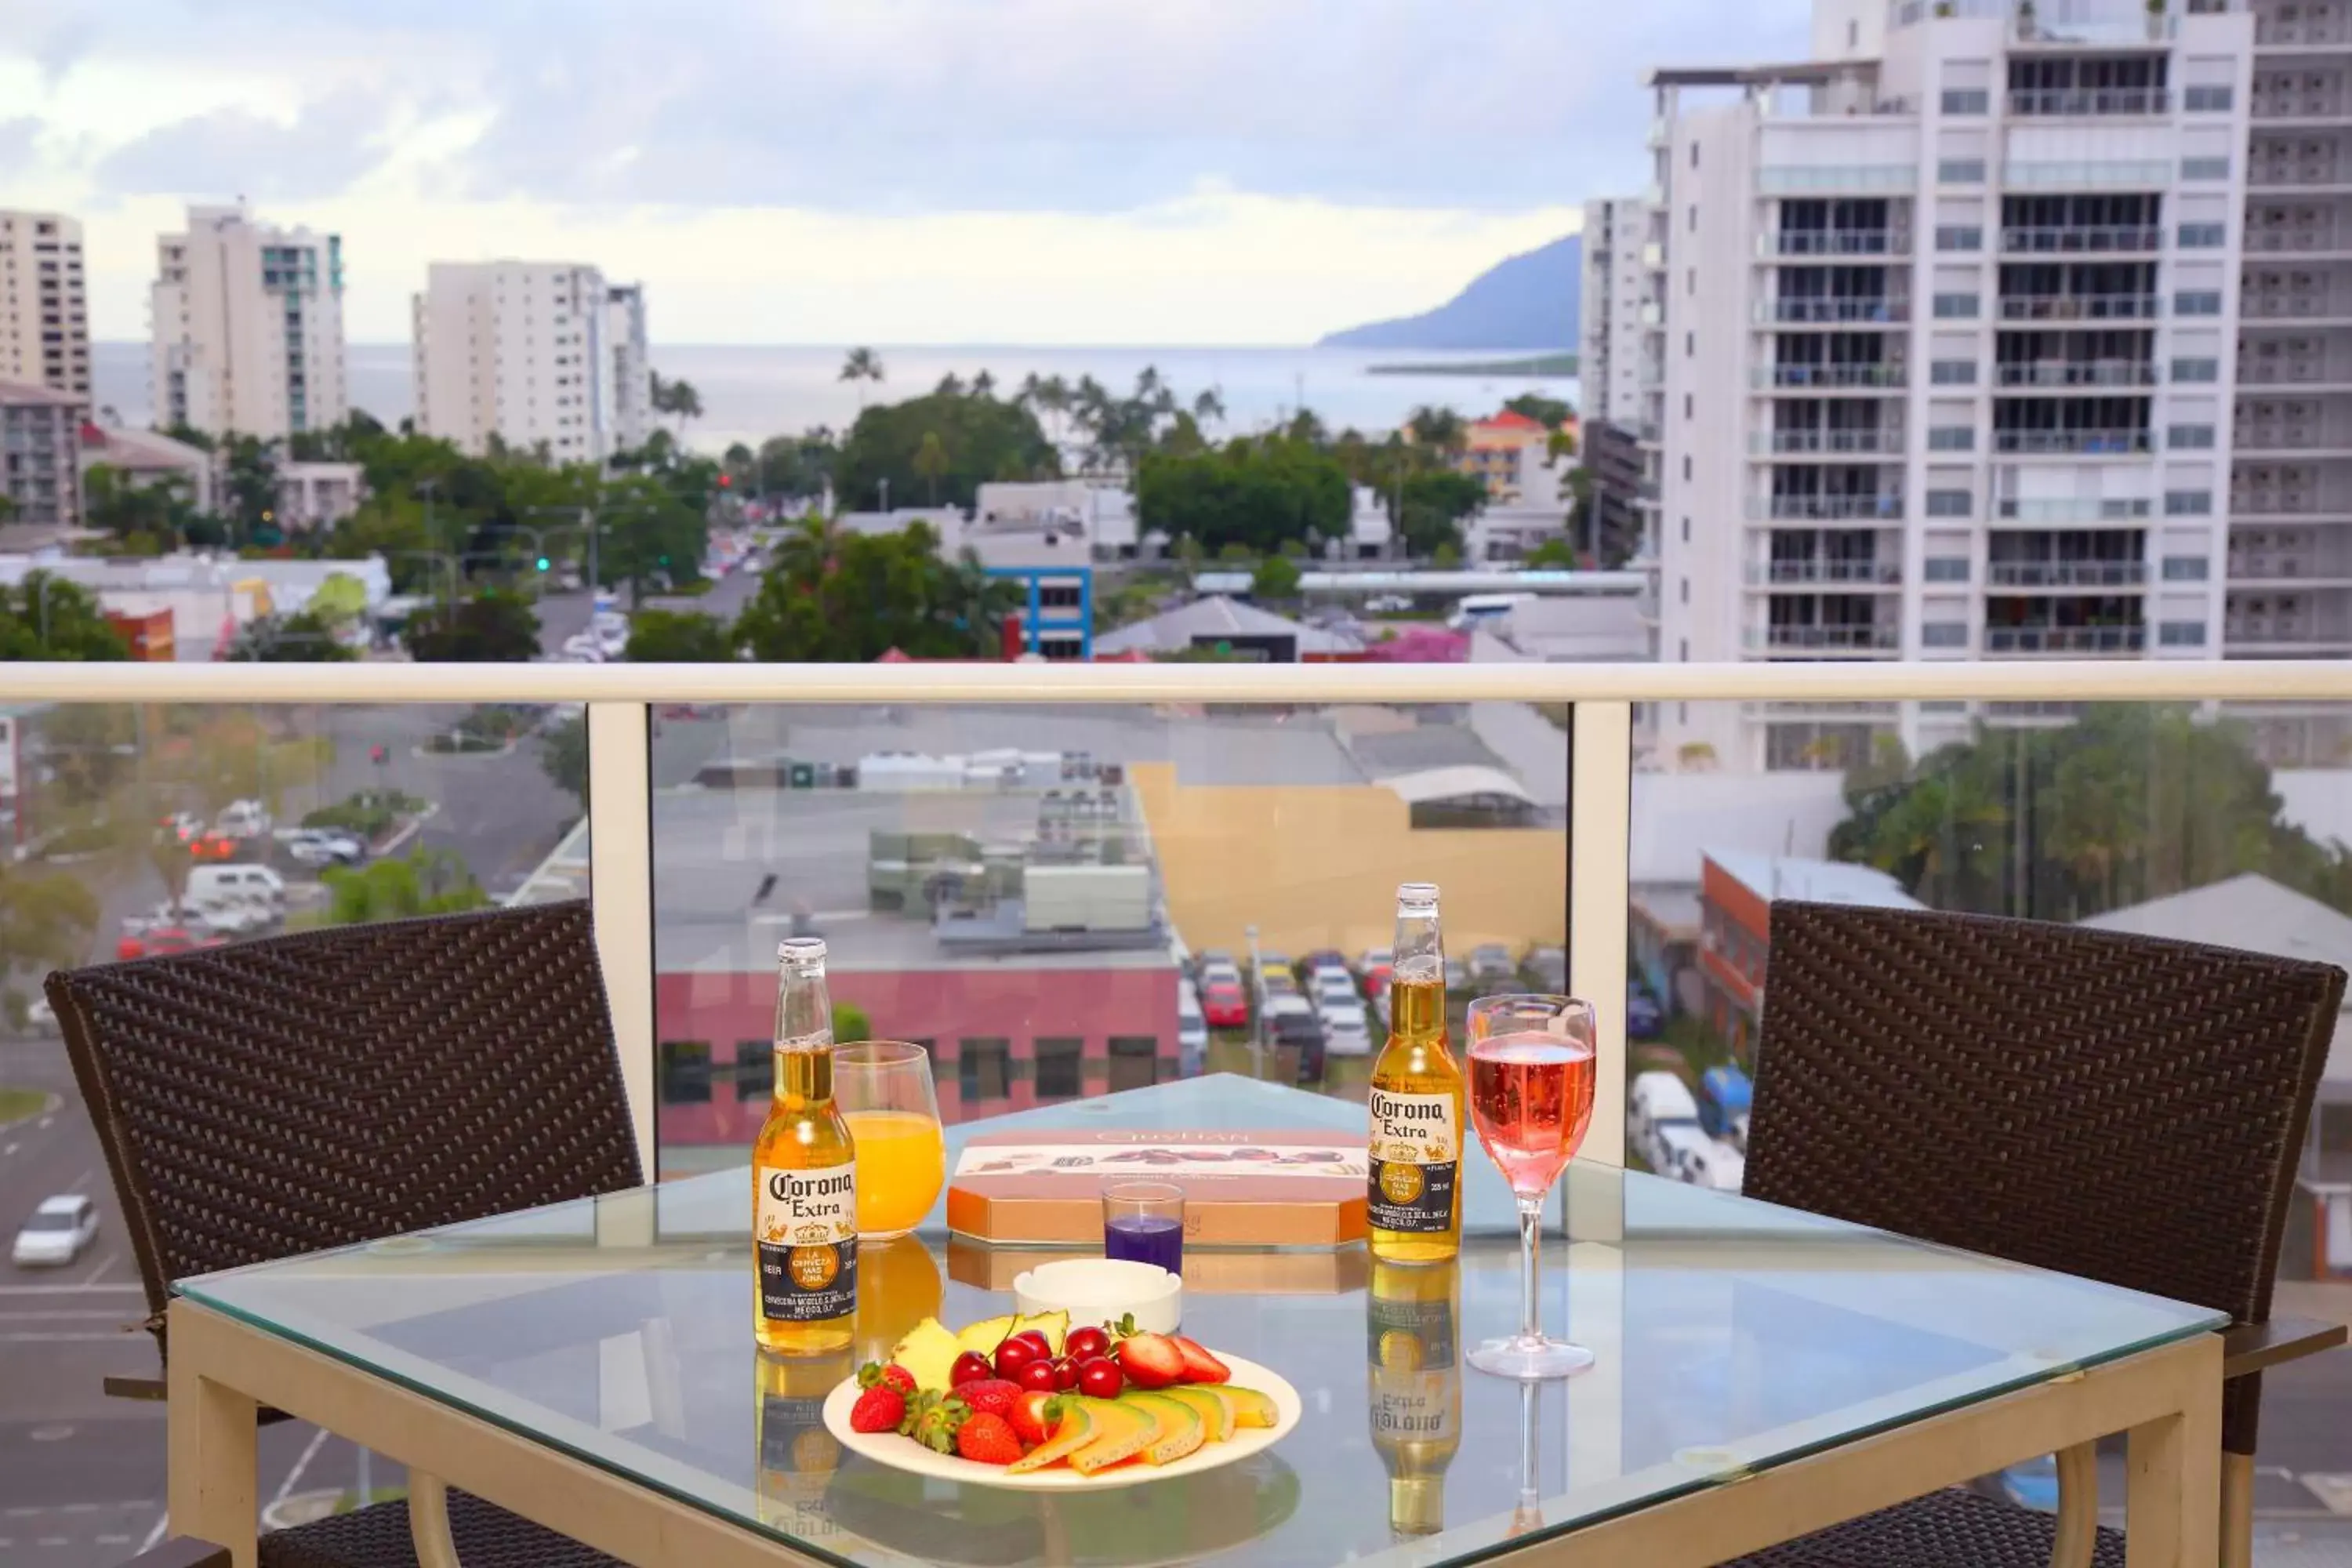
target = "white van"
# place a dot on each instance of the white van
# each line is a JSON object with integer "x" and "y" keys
{"x": 1477, "y": 609}
{"x": 1655, "y": 1097}
{"x": 1192, "y": 1031}
{"x": 1686, "y": 1153}
{"x": 256, "y": 885}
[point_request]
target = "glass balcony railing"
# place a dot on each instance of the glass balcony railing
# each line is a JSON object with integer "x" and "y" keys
{"x": 1825, "y": 508}
{"x": 2064, "y": 639}
{"x": 1834, "y": 242}
{"x": 2071, "y": 443}
{"x": 1832, "y": 377}
{"x": 1787, "y": 573}
{"x": 2053, "y": 374}
{"x": 1806, "y": 179}
{"x": 2066, "y": 573}
{"x": 2072, "y": 509}
{"x": 2080, "y": 307}
{"x": 1802, "y": 443}
{"x": 2088, "y": 239}
{"x": 2116, "y": 100}
{"x": 1860, "y": 638}
{"x": 1833, "y": 311}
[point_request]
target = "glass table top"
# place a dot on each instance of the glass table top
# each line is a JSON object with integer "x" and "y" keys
{"x": 1732, "y": 1335}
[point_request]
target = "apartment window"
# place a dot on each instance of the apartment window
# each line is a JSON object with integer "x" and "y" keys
{"x": 2189, "y": 503}
{"x": 1961, "y": 172}
{"x": 1944, "y": 634}
{"x": 1694, "y": 220}
{"x": 1967, "y": 100}
{"x": 1957, "y": 307}
{"x": 1690, "y": 344}
{"x": 1057, "y": 1067}
{"x": 1689, "y": 406}
{"x": 1686, "y": 658}
{"x": 1946, "y": 568}
{"x": 1686, "y": 468}
{"x": 2205, "y": 168}
{"x": 686, "y": 1072}
{"x": 2204, "y": 236}
{"x": 2208, "y": 99}
{"x": 2187, "y": 568}
{"x": 2190, "y": 438}
{"x": 1686, "y": 590}
{"x": 755, "y": 1070}
{"x": 984, "y": 1069}
{"x": 1690, "y": 282}
{"x": 1694, "y": 155}
{"x": 2196, "y": 370}
{"x": 1952, "y": 438}
{"x": 1951, "y": 503}
{"x": 1134, "y": 1062}
{"x": 2197, "y": 302}
{"x": 2181, "y": 634}
{"x": 1686, "y": 531}
{"x": 1953, "y": 372}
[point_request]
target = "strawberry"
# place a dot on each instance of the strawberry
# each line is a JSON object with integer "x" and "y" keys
{"x": 933, "y": 1420}
{"x": 897, "y": 1377}
{"x": 1151, "y": 1360}
{"x": 990, "y": 1396}
{"x": 1034, "y": 1416}
{"x": 988, "y": 1440}
{"x": 879, "y": 1409}
{"x": 1199, "y": 1367}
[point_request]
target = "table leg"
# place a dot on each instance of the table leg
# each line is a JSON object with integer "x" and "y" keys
{"x": 212, "y": 1487}
{"x": 2172, "y": 1501}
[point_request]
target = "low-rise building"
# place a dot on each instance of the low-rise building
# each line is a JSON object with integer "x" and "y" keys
{"x": 1736, "y": 892}
{"x": 149, "y": 457}
{"x": 318, "y": 495}
{"x": 40, "y": 472}
{"x": 1219, "y": 625}
{"x": 210, "y": 598}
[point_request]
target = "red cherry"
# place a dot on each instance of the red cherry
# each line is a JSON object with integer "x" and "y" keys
{"x": 1039, "y": 1375}
{"x": 1084, "y": 1344}
{"x": 1100, "y": 1378}
{"x": 1036, "y": 1339}
{"x": 1065, "y": 1374}
{"x": 1015, "y": 1355}
{"x": 970, "y": 1367}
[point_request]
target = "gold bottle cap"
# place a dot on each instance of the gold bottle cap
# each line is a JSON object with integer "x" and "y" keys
{"x": 1416, "y": 1504}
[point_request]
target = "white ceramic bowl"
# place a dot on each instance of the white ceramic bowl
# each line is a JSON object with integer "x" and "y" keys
{"x": 1102, "y": 1289}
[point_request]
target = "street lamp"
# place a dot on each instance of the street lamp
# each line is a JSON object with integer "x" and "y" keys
{"x": 1257, "y": 1012}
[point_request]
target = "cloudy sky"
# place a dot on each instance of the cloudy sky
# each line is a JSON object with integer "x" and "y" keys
{"x": 886, "y": 171}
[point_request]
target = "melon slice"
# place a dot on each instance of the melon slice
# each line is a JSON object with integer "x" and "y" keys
{"x": 1250, "y": 1408}
{"x": 1177, "y": 1428}
{"x": 1121, "y": 1432}
{"x": 1074, "y": 1431}
{"x": 1216, "y": 1415}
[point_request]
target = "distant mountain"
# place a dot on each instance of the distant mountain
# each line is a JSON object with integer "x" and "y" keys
{"x": 1530, "y": 301}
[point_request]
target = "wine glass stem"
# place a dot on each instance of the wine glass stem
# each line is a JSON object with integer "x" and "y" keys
{"x": 1530, "y": 1224}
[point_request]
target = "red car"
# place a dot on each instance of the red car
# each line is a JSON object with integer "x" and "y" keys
{"x": 1224, "y": 1007}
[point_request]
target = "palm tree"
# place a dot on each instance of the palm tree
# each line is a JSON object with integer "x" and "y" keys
{"x": 983, "y": 384}
{"x": 932, "y": 461}
{"x": 1209, "y": 408}
{"x": 861, "y": 365}
{"x": 1441, "y": 428}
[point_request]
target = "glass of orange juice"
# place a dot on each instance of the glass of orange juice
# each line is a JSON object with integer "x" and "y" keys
{"x": 884, "y": 1088}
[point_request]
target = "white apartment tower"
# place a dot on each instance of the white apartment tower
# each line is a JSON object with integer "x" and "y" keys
{"x": 1942, "y": 351}
{"x": 249, "y": 327}
{"x": 1609, "y": 342}
{"x": 44, "y": 307}
{"x": 534, "y": 354}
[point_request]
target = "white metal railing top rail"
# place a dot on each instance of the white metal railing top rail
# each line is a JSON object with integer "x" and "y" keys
{"x": 621, "y": 699}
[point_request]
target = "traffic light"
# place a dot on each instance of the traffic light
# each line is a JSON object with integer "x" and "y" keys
{"x": 542, "y": 563}
{"x": 726, "y": 481}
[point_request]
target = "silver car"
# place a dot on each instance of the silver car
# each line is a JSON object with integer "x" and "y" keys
{"x": 57, "y": 1232}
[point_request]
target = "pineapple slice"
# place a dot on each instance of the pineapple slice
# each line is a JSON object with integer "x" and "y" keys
{"x": 985, "y": 1335}
{"x": 1053, "y": 1325}
{"x": 928, "y": 1353}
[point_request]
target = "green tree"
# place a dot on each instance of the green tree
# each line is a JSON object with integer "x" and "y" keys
{"x": 796, "y": 465}
{"x": 1553, "y": 555}
{"x": 1433, "y": 507}
{"x": 850, "y": 1023}
{"x": 425, "y": 882}
{"x": 48, "y": 617}
{"x": 487, "y": 629}
{"x": 1253, "y": 492}
{"x": 650, "y": 535}
{"x": 563, "y": 754}
{"x": 980, "y": 438}
{"x": 144, "y": 518}
{"x": 859, "y": 366}
{"x": 1551, "y": 413}
{"x": 1440, "y": 430}
{"x": 47, "y": 921}
{"x": 862, "y": 595}
{"x": 2131, "y": 803}
{"x": 670, "y": 636}
{"x": 392, "y": 526}
{"x": 1276, "y": 579}
{"x": 303, "y": 637}
{"x": 249, "y": 489}
{"x": 675, "y": 397}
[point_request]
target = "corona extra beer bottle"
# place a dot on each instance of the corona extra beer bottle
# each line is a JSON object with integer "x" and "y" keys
{"x": 805, "y": 1176}
{"x": 1414, "y": 1381}
{"x": 797, "y": 1454}
{"x": 1416, "y": 1101}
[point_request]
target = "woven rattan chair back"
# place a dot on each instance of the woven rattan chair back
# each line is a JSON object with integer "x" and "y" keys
{"x": 277, "y": 1097}
{"x": 2117, "y": 1107}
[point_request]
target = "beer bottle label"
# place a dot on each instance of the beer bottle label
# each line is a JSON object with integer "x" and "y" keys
{"x": 806, "y": 1226}
{"x": 1416, "y": 1151}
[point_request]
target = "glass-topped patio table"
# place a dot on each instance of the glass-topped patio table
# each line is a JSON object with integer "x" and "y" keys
{"x": 1762, "y": 1374}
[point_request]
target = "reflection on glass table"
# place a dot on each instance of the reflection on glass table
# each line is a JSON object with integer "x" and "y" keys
{"x": 1732, "y": 1336}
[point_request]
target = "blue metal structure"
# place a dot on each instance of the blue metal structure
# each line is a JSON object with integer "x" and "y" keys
{"x": 1037, "y": 619}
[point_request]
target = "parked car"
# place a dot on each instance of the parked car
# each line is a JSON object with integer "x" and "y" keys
{"x": 243, "y": 819}
{"x": 319, "y": 847}
{"x": 1292, "y": 1023}
{"x": 1191, "y": 1032}
{"x": 256, "y": 885}
{"x": 1457, "y": 976}
{"x": 1657, "y": 1101}
{"x": 1224, "y": 1005}
{"x": 1490, "y": 963}
{"x": 1374, "y": 960}
{"x": 1683, "y": 1150}
{"x": 1645, "y": 1020}
{"x": 1346, "y": 1031}
{"x": 1321, "y": 959}
{"x": 1548, "y": 967}
{"x": 1725, "y": 1096}
{"x": 57, "y": 1234}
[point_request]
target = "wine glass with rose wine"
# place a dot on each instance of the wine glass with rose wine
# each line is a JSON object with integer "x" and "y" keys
{"x": 1532, "y": 1071}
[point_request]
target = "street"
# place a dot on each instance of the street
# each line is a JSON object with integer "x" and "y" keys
{"x": 565, "y": 615}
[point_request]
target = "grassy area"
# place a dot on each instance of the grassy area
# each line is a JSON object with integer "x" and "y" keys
{"x": 349, "y": 1501}
{"x": 15, "y": 1104}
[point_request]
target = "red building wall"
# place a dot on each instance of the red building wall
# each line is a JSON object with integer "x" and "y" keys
{"x": 944, "y": 1007}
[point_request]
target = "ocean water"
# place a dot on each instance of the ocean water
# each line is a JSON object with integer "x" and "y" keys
{"x": 750, "y": 392}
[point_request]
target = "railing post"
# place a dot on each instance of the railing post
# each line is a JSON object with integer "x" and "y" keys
{"x": 1599, "y": 833}
{"x": 621, "y": 882}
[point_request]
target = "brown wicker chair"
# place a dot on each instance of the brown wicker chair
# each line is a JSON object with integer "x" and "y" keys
{"x": 2167, "y": 1085}
{"x": 274, "y": 1098}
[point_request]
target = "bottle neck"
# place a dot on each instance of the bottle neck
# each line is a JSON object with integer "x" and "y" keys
{"x": 1417, "y": 1009}
{"x": 805, "y": 1074}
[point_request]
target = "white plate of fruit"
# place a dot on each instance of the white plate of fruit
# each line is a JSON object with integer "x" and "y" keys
{"x": 1034, "y": 1404}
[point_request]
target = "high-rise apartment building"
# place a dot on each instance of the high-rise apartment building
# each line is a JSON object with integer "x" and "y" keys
{"x": 44, "y": 306}
{"x": 1609, "y": 330}
{"x": 249, "y": 327}
{"x": 40, "y": 475}
{"x": 535, "y": 353}
{"x": 1942, "y": 331}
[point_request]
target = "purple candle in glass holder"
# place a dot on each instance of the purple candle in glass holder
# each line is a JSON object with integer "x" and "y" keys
{"x": 1143, "y": 1222}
